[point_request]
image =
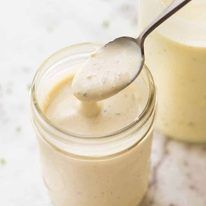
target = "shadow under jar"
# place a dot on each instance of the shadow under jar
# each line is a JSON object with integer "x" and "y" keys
{"x": 86, "y": 165}
{"x": 176, "y": 55}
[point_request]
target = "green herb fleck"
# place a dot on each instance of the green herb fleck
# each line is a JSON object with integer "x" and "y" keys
{"x": 2, "y": 161}
{"x": 28, "y": 87}
{"x": 191, "y": 124}
{"x": 85, "y": 94}
{"x": 106, "y": 24}
{"x": 18, "y": 129}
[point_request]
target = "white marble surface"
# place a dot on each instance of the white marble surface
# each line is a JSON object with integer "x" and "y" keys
{"x": 30, "y": 30}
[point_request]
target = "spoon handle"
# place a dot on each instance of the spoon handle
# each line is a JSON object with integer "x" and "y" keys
{"x": 169, "y": 11}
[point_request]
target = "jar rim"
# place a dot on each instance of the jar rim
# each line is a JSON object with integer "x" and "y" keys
{"x": 149, "y": 106}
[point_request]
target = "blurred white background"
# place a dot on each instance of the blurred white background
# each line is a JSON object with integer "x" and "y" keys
{"x": 31, "y": 30}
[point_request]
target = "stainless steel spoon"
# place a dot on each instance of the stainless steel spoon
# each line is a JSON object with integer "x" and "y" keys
{"x": 117, "y": 64}
{"x": 175, "y": 6}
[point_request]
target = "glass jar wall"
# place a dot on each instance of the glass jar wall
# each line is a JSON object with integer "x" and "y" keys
{"x": 104, "y": 170}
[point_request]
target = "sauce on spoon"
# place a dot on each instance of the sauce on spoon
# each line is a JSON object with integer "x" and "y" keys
{"x": 107, "y": 71}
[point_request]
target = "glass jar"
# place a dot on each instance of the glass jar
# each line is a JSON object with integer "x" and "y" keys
{"x": 109, "y": 170}
{"x": 176, "y": 55}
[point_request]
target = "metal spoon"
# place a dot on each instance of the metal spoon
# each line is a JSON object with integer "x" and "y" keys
{"x": 118, "y": 63}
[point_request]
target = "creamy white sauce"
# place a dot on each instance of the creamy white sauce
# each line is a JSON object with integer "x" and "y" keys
{"x": 107, "y": 71}
{"x": 93, "y": 118}
{"x": 176, "y": 55}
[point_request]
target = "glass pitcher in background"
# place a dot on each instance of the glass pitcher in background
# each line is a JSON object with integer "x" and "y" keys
{"x": 176, "y": 56}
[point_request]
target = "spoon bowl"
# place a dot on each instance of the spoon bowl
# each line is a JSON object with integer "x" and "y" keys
{"x": 118, "y": 63}
{"x": 109, "y": 70}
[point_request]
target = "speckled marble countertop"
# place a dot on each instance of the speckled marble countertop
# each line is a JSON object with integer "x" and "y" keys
{"x": 30, "y": 31}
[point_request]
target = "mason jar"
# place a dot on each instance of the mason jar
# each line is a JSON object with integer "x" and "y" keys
{"x": 104, "y": 170}
{"x": 176, "y": 55}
